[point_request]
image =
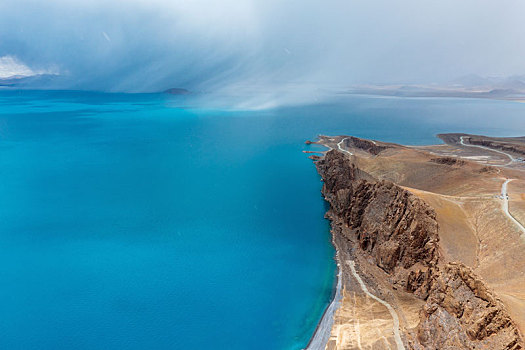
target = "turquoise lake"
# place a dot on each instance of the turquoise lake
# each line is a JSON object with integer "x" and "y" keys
{"x": 146, "y": 222}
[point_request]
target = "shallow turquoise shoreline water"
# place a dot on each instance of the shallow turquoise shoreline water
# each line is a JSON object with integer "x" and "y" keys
{"x": 134, "y": 221}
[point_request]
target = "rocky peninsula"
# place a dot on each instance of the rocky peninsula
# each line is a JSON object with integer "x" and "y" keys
{"x": 428, "y": 257}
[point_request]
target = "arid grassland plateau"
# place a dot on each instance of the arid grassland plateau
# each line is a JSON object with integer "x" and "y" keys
{"x": 430, "y": 243}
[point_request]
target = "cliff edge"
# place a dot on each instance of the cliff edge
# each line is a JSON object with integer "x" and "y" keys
{"x": 394, "y": 236}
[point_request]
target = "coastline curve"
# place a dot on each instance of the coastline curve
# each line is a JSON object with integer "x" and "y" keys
{"x": 324, "y": 327}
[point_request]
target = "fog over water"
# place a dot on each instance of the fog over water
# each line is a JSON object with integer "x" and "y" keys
{"x": 205, "y": 45}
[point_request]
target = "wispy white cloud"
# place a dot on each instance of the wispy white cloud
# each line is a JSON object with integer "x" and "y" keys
{"x": 11, "y": 67}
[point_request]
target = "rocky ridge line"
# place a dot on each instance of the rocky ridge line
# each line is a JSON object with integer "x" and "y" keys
{"x": 496, "y": 145}
{"x": 399, "y": 232}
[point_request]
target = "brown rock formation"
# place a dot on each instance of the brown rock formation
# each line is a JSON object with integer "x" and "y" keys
{"x": 513, "y": 145}
{"x": 448, "y": 161}
{"x": 505, "y": 147}
{"x": 462, "y": 313}
{"x": 399, "y": 233}
{"x": 365, "y": 145}
{"x": 393, "y": 226}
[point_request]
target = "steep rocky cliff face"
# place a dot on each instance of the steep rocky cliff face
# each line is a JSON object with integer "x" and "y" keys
{"x": 399, "y": 232}
{"x": 462, "y": 313}
{"x": 393, "y": 226}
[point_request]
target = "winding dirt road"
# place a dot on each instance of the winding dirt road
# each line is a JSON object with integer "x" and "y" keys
{"x": 505, "y": 205}
{"x": 504, "y": 194}
{"x": 343, "y": 150}
{"x": 512, "y": 159}
{"x": 393, "y": 313}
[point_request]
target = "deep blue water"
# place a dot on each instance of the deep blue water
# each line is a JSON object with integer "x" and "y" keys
{"x": 143, "y": 222}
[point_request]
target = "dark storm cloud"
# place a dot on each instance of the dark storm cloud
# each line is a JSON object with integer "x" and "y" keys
{"x": 140, "y": 45}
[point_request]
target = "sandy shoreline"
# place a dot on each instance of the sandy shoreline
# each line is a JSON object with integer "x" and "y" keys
{"x": 324, "y": 327}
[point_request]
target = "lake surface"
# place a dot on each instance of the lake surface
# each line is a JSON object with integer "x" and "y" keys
{"x": 144, "y": 222}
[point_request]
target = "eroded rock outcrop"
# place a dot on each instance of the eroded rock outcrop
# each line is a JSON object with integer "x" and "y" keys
{"x": 462, "y": 313}
{"x": 399, "y": 232}
{"x": 365, "y": 145}
{"x": 448, "y": 161}
{"x": 505, "y": 147}
{"x": 392, "y": 225}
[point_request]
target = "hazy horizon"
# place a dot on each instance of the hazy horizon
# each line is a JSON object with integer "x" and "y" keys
{"x": 144, "y": 46}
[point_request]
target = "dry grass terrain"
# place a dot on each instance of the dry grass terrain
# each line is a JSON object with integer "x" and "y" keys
{"x": 462, "y": 183}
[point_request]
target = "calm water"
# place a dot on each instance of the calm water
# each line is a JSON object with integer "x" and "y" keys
{"x": 141, "y": 222}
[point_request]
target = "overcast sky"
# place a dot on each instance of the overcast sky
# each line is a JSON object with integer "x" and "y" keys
{"x": 151, "y": 45}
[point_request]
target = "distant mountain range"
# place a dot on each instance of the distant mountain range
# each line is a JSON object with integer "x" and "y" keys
{"x": 515, "y": 82}
{"x": 474, "y": 86}
{"x": 55, "y": 81}
{"x": 38, "y": 81}
{"x": 468, "y": 86}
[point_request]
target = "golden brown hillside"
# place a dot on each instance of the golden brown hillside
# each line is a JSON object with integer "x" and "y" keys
{"x": 430, "y": 242}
